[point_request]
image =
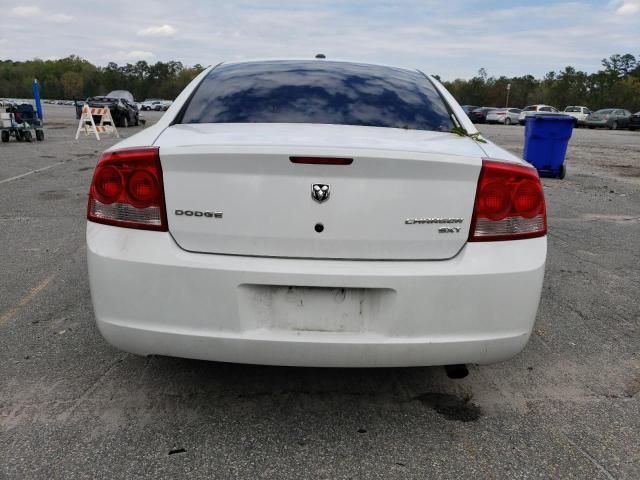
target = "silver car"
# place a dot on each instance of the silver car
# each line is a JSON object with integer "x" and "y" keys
{"x": 611, "y": 118}
{"x": 507, "y": 116}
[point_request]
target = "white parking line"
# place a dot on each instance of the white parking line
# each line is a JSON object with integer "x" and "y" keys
{"x": 37, "y": 170}
{"x": 26, "y": 299}
{"x": 10, "y": 179}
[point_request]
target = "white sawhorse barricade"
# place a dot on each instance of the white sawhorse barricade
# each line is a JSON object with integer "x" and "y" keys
{"x": 106, "y": 125}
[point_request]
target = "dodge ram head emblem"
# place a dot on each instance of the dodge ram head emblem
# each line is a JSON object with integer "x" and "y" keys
{"x": 320, "y": 192}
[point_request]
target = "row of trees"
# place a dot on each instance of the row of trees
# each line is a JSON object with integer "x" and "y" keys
{"x": 617, "y": 84}
{"x": 75, "y": 77}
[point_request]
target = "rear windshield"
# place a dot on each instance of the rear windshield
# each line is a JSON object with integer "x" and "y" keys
{"x": 318, "y": 92}
{"x": 572, "y": 109}
{"x": 529, "y": 109}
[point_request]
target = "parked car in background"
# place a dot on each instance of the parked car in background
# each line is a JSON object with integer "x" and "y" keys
{"x": 151, "y": 104}
{"x": 611, "y": 118}
{"x": 407, "y": 246}
{"x": 579, "y": 114}
{"x": 156, "y": 104}
{"x": 122, "y": 106}
{"x": 507, "y": 116}
{"x": 533, "y": 110}
{"x": 469, "y": 108}
{"x": 634, "y": 121}
{"x": 479, "y": 115}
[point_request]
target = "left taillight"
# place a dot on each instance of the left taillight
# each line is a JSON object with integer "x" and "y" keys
{"x": 127, "y": 190}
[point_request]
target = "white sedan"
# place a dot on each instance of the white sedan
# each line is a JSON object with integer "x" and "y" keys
{"x": 506, "y": 116}
{"x": 316, "y": 213}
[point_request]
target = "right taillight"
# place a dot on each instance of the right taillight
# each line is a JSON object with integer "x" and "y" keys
{"x": 509, "y": 203}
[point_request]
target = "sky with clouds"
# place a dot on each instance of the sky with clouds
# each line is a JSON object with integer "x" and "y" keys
{"x": 452, "y": 38}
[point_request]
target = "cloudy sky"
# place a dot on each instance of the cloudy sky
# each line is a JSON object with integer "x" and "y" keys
{"x": 452, "y": 38}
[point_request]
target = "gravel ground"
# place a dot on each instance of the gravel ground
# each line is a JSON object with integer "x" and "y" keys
{"x": 71, "y": 406}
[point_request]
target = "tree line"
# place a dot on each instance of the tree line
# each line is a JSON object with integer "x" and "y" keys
{"x": 74, "y": 77}
{"x": 616, "y": 84}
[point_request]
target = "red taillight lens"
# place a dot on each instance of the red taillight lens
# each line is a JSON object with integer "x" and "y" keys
{"x": 528, "y": 198}
{"x": 495, "y": 201}
{"x": 108, "y": 184}
{"x": 509, "y": 203}
{"x": 126, "y": 190}
{"x": 142, "y": 188}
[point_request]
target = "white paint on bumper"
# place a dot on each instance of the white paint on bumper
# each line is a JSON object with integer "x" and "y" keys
{"x": 151, "y": 297}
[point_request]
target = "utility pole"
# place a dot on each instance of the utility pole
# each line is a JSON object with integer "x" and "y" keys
{"x": 508, "y": 90}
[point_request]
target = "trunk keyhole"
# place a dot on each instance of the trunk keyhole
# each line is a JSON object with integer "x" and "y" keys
{"x": 319, "y": 227}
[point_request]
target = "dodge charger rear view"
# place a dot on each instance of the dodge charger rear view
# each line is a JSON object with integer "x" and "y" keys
{"x": 316, "y": 213}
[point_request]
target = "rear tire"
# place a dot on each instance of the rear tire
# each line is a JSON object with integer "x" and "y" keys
{"x": 18, "y": 135}
{"x": 5, "y": 136}
{"x": 27, "y": 136}
{"x": 125, "y": 121}
{"x": 40, "y": 135}
{"x": 507, "y": 121}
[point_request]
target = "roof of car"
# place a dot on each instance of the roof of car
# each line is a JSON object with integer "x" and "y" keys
{"x": 311, "y": 60}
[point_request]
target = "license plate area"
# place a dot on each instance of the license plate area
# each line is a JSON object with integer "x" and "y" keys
{"x": 315, "y": 309}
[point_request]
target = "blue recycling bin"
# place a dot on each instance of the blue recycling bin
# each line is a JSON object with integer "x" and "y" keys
{"x": 545, "y": 143}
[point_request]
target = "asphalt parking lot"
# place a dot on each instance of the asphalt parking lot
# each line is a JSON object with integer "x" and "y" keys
{"x": 71, "y": 406}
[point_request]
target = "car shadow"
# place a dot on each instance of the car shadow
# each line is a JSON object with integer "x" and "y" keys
{"x": 204, "y": 385}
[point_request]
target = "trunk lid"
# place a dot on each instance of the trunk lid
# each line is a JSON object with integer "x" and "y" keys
{"x": 232, "y": 189}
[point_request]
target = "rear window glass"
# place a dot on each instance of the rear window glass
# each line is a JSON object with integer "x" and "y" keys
{"x": 572, "y": 109}
{"x": 318, "y": 92}
{"x": 529, "y": 109}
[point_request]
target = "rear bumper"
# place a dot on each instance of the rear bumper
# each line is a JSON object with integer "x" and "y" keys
{"x": 151, "y": 297}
